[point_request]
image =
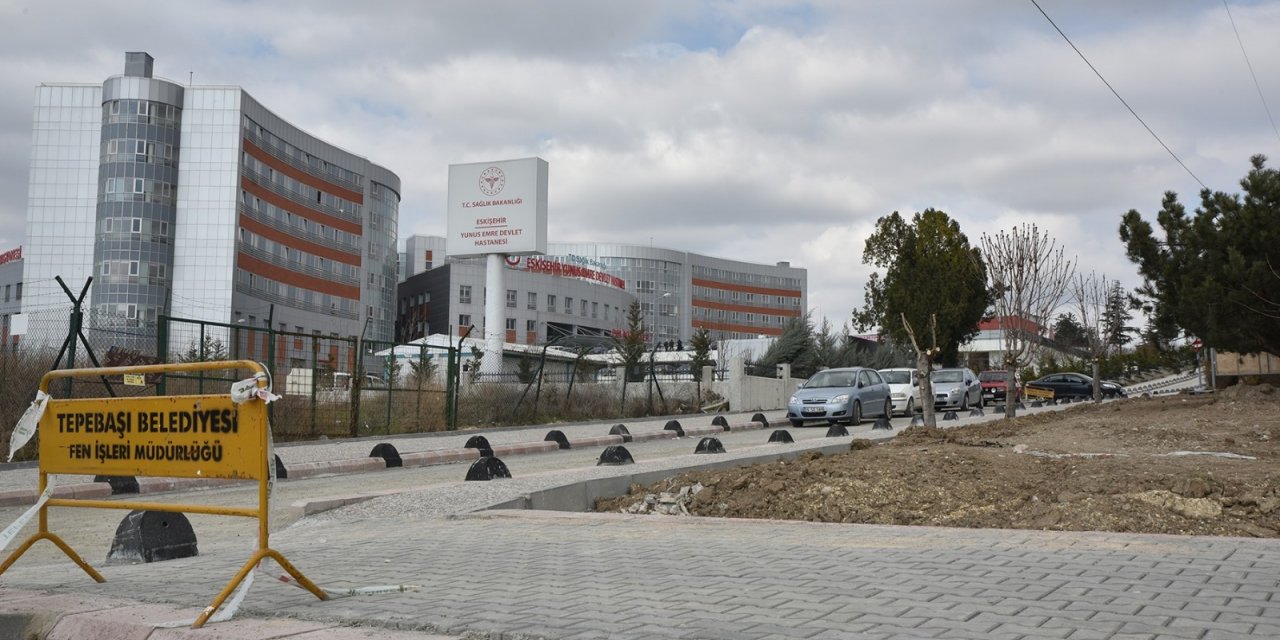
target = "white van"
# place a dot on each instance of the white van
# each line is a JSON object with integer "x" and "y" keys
{"x": 904, "y": 390}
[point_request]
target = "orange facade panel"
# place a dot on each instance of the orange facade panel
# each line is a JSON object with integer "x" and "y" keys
{"x": 298, "y": 209}
{"x": 740, "y": 328}
{"x": 273, "y": 272}
{"x": 745, "y": 288}
{"x": 769, "y": 311}
{"x": 294, "y": 242}
{"x": 300, "y": 175}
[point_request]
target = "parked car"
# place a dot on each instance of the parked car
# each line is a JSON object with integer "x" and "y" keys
{"x": 1076, "y": 385}
{"x": 904, "y": 389}
{"x": 995, "y": 385}
{"x": 840, "y": 395}
{"x": 955, "y": 387}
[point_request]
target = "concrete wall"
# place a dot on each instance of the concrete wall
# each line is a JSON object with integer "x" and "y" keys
{"x": 752, "y": 393}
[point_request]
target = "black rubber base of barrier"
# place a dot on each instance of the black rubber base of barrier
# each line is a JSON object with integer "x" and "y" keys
{"x": 917, "y": 420}
{"x": 1000, "y": 408}
{"x": 674, "y": 425}
{"x": 720, "y": 421}
{"x": 482, "y": 444}
{"x": 488, "y": 468}
{"x": 976, "y": 412}
{"x": 759, "y": 417}
{"x": 621, "y": 430}
{"x": 615, "y": 455}
{"x": 153, "y": 536}
{"x": 782, "y": 436}
{"x": 1020, "y": 405}
{"x": 119, "y": 484}
{"x": 837, "y": 430}
{"x": 709, "y": 445}
{"x": 950, "y": 415}
{"x": 281, "y": 472}
{"x": 388, "y": 453}
{"x": 557, "y": 436}
{"x": 882, "y": 423}
{"x": 1036, "y": 404}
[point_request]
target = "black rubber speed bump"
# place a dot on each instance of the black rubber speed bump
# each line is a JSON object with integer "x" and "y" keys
{"x": 674, "y": 425}
{"x": 882, "y": 423}
{"x": 621, "y": 430}
{"x": 388, "y": 453}
{"x": 281, "y": 472}
{"x": 488, "y": 468}
{"x": 482, "y": 444}
{"x": 976, "y": 411}
{"x": 719, "y": 421}
{"x": 153, "y": 536}
{"x": 615, "y": 455}
{"x": 709, "y": 445}
{"x": 759, "y": 417}
{"x": 917, "y": 420}
{"x": 837, "y": 430}
{"x": 119, "y": 484}
{"x": 781, "y": 436}
{"x": 950, "y": 415}
{"x": 558, "y": 437}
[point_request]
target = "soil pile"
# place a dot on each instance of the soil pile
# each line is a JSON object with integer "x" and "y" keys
{"x": 1197, "y": 465}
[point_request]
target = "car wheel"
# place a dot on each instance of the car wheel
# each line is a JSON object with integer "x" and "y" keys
{"x": 797, "y": 423}
{"x": 856, "y": 417}
{"x": 964, "y": 401}
{"x": 911, "y": 407}
{"x": 888, "y": 408}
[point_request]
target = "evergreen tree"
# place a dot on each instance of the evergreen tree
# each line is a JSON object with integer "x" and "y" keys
{"x": 1067, "y": 330}
{"x": 794, "y": 346}
{"x": 1116, "y": 316}
{"x": 1215, "y": 274}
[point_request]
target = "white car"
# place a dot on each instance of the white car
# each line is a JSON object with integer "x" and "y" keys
{"x": 904, "y": 389}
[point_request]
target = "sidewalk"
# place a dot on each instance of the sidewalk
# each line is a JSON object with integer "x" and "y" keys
{"x": 510, "y": 575}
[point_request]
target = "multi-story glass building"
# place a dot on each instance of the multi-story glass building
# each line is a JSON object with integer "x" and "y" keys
{"x": 678, "y": 291}
{"x": 198, "y": 202}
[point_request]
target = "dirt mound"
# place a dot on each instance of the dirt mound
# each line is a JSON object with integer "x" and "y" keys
{"x": 1241, "y": 392}
{"x": 1179, "y": 465}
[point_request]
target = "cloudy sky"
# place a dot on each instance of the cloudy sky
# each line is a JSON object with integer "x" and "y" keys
{"x": 762, "y": 130}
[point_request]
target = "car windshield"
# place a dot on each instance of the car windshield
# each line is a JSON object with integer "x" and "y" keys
{"x": 830, "y": 379}
{"x": 896, "y": 377}
{"x": 946, "y": 375}
{"x": 993, "y": 376}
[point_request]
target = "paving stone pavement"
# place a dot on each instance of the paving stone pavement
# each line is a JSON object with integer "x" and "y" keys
{"x": 506, "y": 575}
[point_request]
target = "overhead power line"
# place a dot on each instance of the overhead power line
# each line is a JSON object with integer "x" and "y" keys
{"x": 1251, "y": 73}
{"x": 1117, "y": 95}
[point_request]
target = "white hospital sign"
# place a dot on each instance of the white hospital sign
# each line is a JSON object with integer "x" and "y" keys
{"x": 498, "y": 207}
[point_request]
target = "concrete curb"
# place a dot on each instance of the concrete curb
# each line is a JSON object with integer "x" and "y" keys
{"x": 95, "y": 490}
{"x": 33, "y": 614}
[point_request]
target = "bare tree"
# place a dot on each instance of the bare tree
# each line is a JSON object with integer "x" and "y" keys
{"x": 1029, "y": 276}
{"x": 924, "y": 364}
{"x": 1091, "y": 295}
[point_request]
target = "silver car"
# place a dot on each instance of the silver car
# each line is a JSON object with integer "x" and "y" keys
{"x": 957, "y": 387}
{"x": 840, "y": 395}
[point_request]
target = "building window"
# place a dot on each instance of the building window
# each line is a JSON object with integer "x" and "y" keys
{"x": 595, "y": 309}
{"x": 19, "y": 290}
{"x": 551, "y": 302}
{"x": 530, "y": 325}
{"x": 511, "y": 299}
{"x": 568, "y": 305}
{"x": 133, "y": 267}
{"x": 533, "y": 301}
{"x": 464, "y": 294}
{"x": 583, "y": 308}
{"x": 511, "y": 324}
{"x": 464, "y": 320}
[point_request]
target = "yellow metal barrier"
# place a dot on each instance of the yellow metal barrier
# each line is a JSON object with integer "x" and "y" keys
{"x": 200, "y": 436}
{"x": 1037, "y": 392}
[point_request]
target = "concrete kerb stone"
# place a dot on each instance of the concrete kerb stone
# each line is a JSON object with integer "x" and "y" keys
{"x": 94, "y": 490}
{"x": 581, "y": 496}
